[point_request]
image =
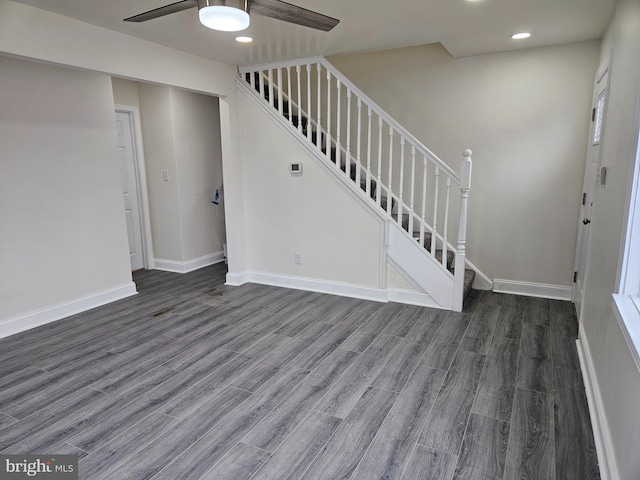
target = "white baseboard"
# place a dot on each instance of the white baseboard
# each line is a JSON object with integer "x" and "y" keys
{"x": 190, "y": 265}
{"x": 237, "y": 279}
{"x": 601, "y": 435}
{"x": 409, "y": 297}
{"x": 543, "y": 290}
{"x": 63, "y": 310}
{"x": 310, "y": 285}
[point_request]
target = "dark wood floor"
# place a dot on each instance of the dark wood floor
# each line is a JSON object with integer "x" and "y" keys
{"x": 191, "y": 379}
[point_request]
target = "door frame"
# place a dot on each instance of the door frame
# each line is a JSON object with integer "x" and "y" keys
{"x": 141, "y": 183}
{"x": 603, "y": 69}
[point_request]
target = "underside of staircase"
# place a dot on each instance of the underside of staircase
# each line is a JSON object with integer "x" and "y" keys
{"x": 381, "y": 198}
{"x": 469, "y": 274}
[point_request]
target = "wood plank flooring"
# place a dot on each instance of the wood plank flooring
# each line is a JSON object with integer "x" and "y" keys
{"x": 192, "y": 379}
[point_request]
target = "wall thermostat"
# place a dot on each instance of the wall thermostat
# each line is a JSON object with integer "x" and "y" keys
{"x": 296, "y": 168}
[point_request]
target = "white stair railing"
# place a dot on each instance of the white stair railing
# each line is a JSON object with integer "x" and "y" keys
{"x": 326, "y": 108}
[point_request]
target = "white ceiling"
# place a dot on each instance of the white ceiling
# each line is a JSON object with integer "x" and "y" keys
{"x": 464, "y": 27}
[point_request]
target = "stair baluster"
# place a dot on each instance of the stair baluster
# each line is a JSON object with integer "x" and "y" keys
{"x": 389, "y": 188}
{"x": 413, "y": 189}
{"x": 358, "y": 149}
{"x": 262, "y": 86}
{"x": 279, "y": 86}
{"x": 277, "y": 90}
{"x": 424, "y": 201}
{"x": 378, "y": 187}
{"x": 319, "y": 107}
{"x": 299, "y": 126}
{"x": 329, "y": 141}
{"x": 434, "y": 225}
{"x": 347, "y": 162}
{"x": 270, "y": 87}
{"x": 368, "y": 190}
{"x": 289, "y": 107}
{"x": 338, "y": 131}
{"x": 401, "y": 191}
{"x": 446, "y": 225}
{"x": 308, "y": 126}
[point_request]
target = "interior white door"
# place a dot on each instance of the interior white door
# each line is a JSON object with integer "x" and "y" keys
{"x": 126, "y": 149}
{"x": 591, "y": 179}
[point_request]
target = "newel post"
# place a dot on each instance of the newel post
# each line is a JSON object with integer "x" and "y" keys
{"x": 465, "y": 184}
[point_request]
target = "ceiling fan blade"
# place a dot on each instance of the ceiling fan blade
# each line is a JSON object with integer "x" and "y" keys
{"x": 162, "y": 11}
{"x": 293, "y": 14}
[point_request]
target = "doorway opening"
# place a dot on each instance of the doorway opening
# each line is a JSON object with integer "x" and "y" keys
{"x": 592, "y": 178}
{"x": 176, "y": 166}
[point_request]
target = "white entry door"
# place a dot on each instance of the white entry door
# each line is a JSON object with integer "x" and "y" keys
{"x": 128, "y": 171}
{"x": 592, "y": 178}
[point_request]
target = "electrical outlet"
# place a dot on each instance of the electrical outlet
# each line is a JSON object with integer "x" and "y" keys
{"x": 298, "y": 258}
{"x": 165, "y": 175}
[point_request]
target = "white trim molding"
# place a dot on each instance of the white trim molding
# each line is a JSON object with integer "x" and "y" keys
{"x": 189, "y": 265}
{"x": 398, "y": 295}
{"x": 627, "y": 313}
{"x": 237, "y": 279}
{"x": 601, "y": 433}
{"x": 63, "y": 310}
{"x": 626, "y": 298}
{"x": 542, "y": 290}
{"x": 409, "y": 297}
{"x": 309, "y": 284}
{"x": 141, "y": 183}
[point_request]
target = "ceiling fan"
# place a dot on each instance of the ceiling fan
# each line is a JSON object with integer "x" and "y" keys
{"x": 233, "y": 15}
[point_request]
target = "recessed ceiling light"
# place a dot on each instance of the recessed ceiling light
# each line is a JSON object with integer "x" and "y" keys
{"x": 244, "y": 39}
{"x": 520, "y": 36}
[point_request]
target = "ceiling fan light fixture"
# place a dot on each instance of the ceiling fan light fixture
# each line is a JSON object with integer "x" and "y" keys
{"x": 226, "y": 16}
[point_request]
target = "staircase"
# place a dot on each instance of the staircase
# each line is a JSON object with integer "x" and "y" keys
{"x": 408, "y": 184}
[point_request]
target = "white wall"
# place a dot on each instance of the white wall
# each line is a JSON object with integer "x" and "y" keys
{"x": 525, "y": 115}
{"x": 616, "y": 376}
{"x": 63, "y": 235}
{"x": 196, "y": 127}
{"x": 160, "y": 154}
{"x": 125, "y": 92}
{"x": 310, "y": 214}
{"x": 39, "y": 35}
